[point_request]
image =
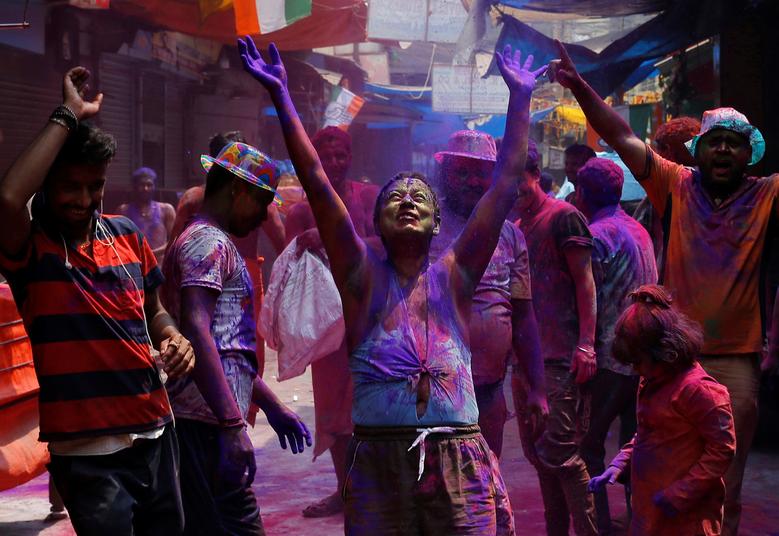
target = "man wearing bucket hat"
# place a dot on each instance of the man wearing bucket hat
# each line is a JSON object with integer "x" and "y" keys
{"x": 718, "y": 226}
{"x": 502, "y": 317}
{"x": 210, "y": 291}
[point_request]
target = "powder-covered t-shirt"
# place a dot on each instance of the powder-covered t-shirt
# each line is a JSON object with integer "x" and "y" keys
{"x": 715, "y": 251}
{"x": 556, "y": 226}
{"x": 622, "y": 260}
{"x": 506, "y": 278}
{"x": 205, "y": 256}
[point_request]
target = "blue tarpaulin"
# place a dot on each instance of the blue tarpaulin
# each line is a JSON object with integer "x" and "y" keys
{"x": 630, "y": 59}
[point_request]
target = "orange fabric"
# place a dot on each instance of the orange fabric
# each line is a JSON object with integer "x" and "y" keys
{"x": 714, "y": 252}
{"x": 333, "y": 393}
{"x": 22, "y": 457}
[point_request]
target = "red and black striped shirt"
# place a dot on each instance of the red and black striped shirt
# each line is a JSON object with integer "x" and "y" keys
{"x": 86, "y": 326}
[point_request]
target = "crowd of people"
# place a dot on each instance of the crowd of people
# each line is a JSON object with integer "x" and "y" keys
{"x": 144, "y": 324}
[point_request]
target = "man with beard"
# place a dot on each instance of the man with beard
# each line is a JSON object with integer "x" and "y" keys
{"x": 716, "y": 237}
{"x": 502, "y": 316}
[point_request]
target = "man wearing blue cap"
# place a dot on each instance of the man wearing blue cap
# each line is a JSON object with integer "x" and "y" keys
{"x": 210, "y": 291}
{"x": 719, "y": 222}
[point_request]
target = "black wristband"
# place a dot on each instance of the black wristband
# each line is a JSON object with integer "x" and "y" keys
{"x": 63, "y": 114}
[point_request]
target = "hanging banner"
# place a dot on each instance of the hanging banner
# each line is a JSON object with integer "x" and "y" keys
{"x": 460, "y": 89}
{"x": 342, "y": 108}
{"x": 439, "y": 21}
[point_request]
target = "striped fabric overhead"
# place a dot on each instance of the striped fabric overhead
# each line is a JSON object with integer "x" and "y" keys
{"x": 254, "y": 17}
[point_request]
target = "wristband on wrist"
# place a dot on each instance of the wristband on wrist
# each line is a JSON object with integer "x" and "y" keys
{"x": 59, "y": 122}
{"x": 70, "y": 111}
{"x": 62, "y": 115}
{"x": 585, "y": 350}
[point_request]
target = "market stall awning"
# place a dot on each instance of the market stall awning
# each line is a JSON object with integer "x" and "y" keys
{"x": 332, "y": 22}
{"x": 631, "y": 57}
{"x": 590, "y": 8}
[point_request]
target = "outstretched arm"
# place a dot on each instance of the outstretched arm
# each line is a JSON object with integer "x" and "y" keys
{"x": 26, "y": 175}
{"x": 603, "y": 118}
{"x": 344, "y": 247}
{"x": 474, "y": 247}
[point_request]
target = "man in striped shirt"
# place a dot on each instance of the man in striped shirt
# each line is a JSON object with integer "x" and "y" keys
{"x": 86, "y": 287}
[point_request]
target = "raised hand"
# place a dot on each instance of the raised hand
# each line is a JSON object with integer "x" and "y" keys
{"x": 74, "y": 91}
{"x": 273, "y": 75}
{"x": 518, "y": 77}
{"x": 563, "y": 71}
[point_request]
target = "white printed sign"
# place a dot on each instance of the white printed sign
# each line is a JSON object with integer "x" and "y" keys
{"x": 439, "y": 21}
{"x": 460, "y": 89}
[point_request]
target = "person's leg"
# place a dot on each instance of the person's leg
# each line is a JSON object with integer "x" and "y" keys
{"x": 610, "y": 395}
{"x": 462, "y": 491}
{"x": 199, "y": 456}
{"x": 160, "y": 511}
{"x": 332, "y": 412}
{"x": 628, "y": 426}
{"x": 378, "y": 490}
{"x": 492, "y": 414}
{"x": 741, "y": 375}
{"x": 239, "y": 510}
{"x": 556, "y": 514}
{"x": 558, "y": 456}
{"x": 95, "y": 492}
{"x": 57, "y": 510}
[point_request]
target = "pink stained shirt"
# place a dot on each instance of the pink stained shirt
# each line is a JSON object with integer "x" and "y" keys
{"x": 683, "y": 446}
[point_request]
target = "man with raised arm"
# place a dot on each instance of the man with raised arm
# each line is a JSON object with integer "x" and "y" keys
{"x": 86, "y": 285}
{"x": 718, "y": 226}
{"x": 407, "y": 332}
{"x": 503, "y": 323}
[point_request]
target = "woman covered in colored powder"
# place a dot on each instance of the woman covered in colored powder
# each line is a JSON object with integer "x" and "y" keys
{"x": 685, "y": 439}
{"x": 417, "y": 463}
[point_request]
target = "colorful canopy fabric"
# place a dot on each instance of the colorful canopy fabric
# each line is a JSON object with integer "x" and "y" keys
{"x": 332, "y": 22}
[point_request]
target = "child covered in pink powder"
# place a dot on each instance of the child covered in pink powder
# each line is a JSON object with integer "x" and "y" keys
{"x": 685, "y": 439}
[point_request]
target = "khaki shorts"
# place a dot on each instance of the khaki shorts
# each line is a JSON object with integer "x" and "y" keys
{"x": 460, "y": 490}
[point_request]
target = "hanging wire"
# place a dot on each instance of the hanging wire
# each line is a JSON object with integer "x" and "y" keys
{"x": 18, "y": 25}
{"x": 427, "y": 78}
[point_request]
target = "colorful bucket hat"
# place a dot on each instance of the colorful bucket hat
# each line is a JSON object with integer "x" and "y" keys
{"x": 730, "y": 119}
{"x": 470, "y": 144}
{"x": 247, "y": 163}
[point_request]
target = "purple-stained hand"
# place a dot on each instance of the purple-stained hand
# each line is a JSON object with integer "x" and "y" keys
{"x": 290, "y": 428}
{"x": 273, "y": 75}
{"x": 518, "y": 77}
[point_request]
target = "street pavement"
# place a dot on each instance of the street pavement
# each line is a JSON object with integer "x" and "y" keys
{"x": 287, "y": 483}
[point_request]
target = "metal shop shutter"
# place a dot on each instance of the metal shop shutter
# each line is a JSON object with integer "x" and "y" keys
{"x": 118, "y": 114}
{"x": 24, "y": 110}
{"x": 175, "y": 169}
